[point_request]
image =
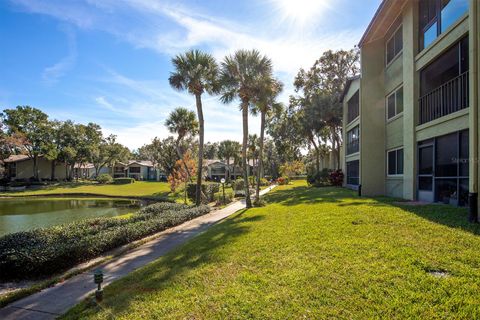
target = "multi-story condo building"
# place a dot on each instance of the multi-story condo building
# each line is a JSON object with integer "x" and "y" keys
{"x": 411, "y": 120}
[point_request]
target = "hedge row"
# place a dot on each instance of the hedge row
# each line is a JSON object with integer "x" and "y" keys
{"x": 123, "y": 180}
{"x": 43, "y": 252}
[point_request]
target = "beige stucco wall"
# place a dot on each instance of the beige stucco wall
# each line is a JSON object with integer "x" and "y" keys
{"x": 372, "y": 119}
{"x": 25, "y": 169}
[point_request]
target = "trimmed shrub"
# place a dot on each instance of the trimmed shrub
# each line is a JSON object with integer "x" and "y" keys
{"x": 336, "y": 178}
{"x": 264, "y": 182}
{"x": 283, "y": 180}
{"x": 319, "y": 179}
{"x": 123, "y": 180}
{"x": 104, "y": 178}
{"x": 43, "y": 252}
{"x": 238, "y": 184}
{"x": 208, "y": 189}
{"x": 219, "y": 197}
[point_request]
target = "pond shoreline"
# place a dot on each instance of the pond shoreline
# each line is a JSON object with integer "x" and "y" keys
{"x": 86, "y": 195}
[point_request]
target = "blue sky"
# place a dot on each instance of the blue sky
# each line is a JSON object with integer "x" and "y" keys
{"x": 108, "y": 61}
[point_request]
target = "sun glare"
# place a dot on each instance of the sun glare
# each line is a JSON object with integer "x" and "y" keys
{"x": 300, "y": 11}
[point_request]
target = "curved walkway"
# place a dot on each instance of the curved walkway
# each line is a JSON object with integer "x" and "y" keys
{"x": 56, "y": 300}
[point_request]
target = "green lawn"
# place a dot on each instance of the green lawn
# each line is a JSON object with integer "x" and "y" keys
{"x": 311, "y": 253}
{"x": 137, "y": 189}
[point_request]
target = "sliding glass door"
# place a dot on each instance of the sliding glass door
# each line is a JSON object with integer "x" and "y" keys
{"x": 443, "y": 169}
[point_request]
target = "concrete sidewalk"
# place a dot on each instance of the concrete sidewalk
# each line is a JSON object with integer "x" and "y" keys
{"x": 54, "y": 301}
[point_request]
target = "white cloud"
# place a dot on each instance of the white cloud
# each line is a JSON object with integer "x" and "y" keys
{"x": 169, "y": 28}
{"x": 53, "y": 73}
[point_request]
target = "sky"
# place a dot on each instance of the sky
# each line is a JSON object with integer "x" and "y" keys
{"x": 108, "y": 61}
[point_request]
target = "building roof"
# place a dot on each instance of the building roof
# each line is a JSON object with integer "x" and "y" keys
{"x": 209, "y": 162}
{"x": 16, "y": 158}
{"x": 84, "y": 165}
{"x": 347, "y": 85}
{"x": 143, "y": 163}
{"x": 384, "y": 17}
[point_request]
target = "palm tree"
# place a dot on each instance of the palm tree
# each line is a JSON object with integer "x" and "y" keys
{"x": 270, "y": 90}
{"x": 183, "y": 123}
{"x": 197, "y": 73}
{"x": 241, "y": 76}
{"x": 227, "y": 150}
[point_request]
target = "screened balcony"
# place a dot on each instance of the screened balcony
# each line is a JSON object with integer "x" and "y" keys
{"x": 448, "y": 98}
{"x": 444, "y": 84}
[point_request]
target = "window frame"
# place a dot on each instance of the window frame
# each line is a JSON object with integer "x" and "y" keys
{"x": 392, "y": 37}
{"x": 396, "y": 174}
{"x": 356, "y": 94}
{"x": 12, "y": 170}
{"x": 357, "y": 127}
{"x": 352, "y": 162}
{"x": 436, "y": 19}
{"x": 394, "y": 93}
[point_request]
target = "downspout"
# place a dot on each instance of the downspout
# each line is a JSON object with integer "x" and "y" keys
{"x": 473, "y": 98}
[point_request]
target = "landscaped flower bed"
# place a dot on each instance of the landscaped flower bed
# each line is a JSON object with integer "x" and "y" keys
{"x": 43, "y": 252}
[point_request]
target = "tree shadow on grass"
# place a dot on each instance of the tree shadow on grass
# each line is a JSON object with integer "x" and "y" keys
{"x": 159, "y": 275}
{"x": 446, "y": 215}
{"x": 308, "y": 195}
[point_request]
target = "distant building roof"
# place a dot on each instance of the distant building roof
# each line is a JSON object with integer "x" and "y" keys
{"x": 144, "y": 163}
{"x": 16, "y": 158}
{"x": 84, "y": 165}
{"x": 347, "y": 85}
{"x": 209, "y": 162}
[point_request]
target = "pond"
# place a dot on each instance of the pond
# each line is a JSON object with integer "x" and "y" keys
{"x": 28, "y": 213}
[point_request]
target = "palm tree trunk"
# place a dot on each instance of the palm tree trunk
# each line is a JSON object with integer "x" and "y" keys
{"x": 260, "y": 155}
{"x": 198, "y": 191}
{"x": 227, "y": 171}
{"x": 248, "y": 201}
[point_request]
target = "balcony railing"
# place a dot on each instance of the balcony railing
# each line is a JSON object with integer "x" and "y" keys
{"x": 450, "y": 97}
{"x": 353, "y": 147}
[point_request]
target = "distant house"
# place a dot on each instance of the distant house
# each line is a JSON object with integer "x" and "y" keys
{"x": 84, "y": 171}
{"x": 20, "y": 167}
{"x": 218, "y": 169}
{"x": 141, "y": 170}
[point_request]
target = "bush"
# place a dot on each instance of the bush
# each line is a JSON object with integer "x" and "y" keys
{"x": 238, "y": 184}
{"x": 283, "y": 180}
{"x": 208, "y": 189}
{"x": 264, "y": 182}
{"x": 319, "y": 179}
{"x": 219, "y": 197}
{"x": 123, "y": 180}
{"x": 336, "y": 178}
{"x": 104, "y": 178}
{"x": 43, "y": 252}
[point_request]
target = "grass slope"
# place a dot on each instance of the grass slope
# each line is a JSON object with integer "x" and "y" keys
{"x": 137, "y": 189}
{"x": 311, "y": 253}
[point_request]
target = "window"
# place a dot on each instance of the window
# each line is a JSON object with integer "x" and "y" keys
{"x": 353, "y": 172}
{"x": 394, "y": 45}
{"x": 395, "y": 103}
{"x": 12, "y": 169}
{"x": 353, "y": 107}
{"x": 395, "y": 162}
{"x": 436, "y": 16}
{"x": 353, "y": 140}
{"x": 134, "y": 169}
